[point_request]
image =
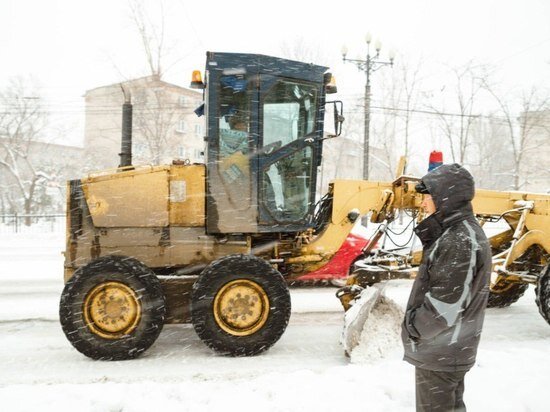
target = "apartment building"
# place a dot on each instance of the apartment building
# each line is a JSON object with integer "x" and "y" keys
{"x": 165, "y": 126}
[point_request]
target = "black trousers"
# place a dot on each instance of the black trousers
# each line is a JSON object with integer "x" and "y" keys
{"x": 439, "y": 391}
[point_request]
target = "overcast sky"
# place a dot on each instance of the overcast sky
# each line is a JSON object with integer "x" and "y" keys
{"x": 73, "y": 45}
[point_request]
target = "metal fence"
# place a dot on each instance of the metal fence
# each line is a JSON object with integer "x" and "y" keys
{"x": 23, "y": 223}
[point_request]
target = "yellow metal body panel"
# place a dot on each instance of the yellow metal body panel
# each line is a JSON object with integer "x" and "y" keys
{"x": 135, "y": 198}
{"x": 493, "y": 202}
{"x": 532, "y": 237}
{"x": 187, "y": 195}
{"x": 501, "y": 239}
{"x": 537, "y": 221}
{"x": 129, "y": 236}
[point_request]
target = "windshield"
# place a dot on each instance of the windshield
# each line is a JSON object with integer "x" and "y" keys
{"x": 289, "y": 112}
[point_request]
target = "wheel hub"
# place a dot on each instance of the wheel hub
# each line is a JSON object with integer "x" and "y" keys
{"x": 112, "y": 310}
{"x": 241, "y": 307}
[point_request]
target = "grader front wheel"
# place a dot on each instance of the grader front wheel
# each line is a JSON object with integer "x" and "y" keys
{"x": 240, "y": 305}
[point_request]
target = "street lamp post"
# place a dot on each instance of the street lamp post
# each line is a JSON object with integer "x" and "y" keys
{"x": 369, "y": 65}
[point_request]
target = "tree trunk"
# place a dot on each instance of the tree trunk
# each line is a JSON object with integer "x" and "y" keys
{"x": 28, "y": 207}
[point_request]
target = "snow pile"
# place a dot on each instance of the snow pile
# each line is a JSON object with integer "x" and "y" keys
{"x": 381, "y": 335}
{"x": 356, "y": 317}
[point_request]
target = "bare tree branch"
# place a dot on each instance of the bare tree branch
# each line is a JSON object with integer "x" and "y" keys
{"x": 523, "y": 136}
{"x": 468, "y": 83}
{"x": 151, "y": 35}
{"x": 21, "y": 125}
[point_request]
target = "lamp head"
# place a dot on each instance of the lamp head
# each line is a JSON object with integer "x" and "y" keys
{"x": 391, "y": 55}
{"x": 368, "y": 38}
{"x": 344, "y": 51}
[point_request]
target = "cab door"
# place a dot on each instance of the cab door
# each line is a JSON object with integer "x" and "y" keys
{"x": 232, "y": 145}
{"x": 290, "y": 130}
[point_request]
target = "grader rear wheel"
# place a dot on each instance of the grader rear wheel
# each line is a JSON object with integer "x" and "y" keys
{"x": 240, "y": 305}
{"x": 112, "y": 309}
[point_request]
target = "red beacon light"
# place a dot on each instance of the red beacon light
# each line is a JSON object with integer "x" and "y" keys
{"x": 436, "y": 160}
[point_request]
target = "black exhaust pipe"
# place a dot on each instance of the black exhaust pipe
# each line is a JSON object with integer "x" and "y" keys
{"x": 126, "y": 142}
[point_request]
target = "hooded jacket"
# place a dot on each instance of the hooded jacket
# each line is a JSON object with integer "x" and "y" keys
{"x": 446, "y": 308}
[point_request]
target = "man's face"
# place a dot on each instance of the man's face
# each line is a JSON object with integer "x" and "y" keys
{"x": 237, "y": 123}
{"x": 428, "y": 204}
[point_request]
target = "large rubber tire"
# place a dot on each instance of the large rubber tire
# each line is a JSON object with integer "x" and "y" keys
{"x": 93, "y": 279}
{"x": 542, "y": 292}
{"x": 216, "y": 281}
{"x": 506, "y": 296}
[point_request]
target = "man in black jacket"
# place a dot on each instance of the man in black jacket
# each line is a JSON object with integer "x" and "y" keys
{"x": 445, "y": 312}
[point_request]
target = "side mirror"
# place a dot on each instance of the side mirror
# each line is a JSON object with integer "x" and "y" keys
{"x": 338, "y": 117}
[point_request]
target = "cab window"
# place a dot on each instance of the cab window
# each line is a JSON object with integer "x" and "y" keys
{"x": 289, "y": 112}
{"x": 234, "y": 116}
{"x": 286, "y": 186}
{"x": 233, "y": 163}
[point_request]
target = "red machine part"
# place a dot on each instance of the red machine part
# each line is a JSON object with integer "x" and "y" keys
{"x": 338, "y": 266}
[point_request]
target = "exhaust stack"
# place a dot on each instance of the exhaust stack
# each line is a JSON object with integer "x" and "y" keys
{"x": 126, "y": 141}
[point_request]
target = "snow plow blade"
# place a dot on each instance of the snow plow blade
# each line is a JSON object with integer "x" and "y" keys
{"x": 357, "y": 315}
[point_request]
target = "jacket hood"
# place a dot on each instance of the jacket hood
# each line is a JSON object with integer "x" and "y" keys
{"x": 452, "y": 189}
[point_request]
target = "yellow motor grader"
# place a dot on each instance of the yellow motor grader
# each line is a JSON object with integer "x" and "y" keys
{"x": 215, "y": 244}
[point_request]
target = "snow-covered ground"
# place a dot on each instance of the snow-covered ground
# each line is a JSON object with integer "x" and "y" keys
{"x": 305, "y": 371}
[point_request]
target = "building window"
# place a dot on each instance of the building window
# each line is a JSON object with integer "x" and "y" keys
{"x": 199, "y": 154}
{"x": 181, "y": 152}
{"x": 181, "y": 126}
{"x": 198, "y": 130}
{"x": 183, "y": 101}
